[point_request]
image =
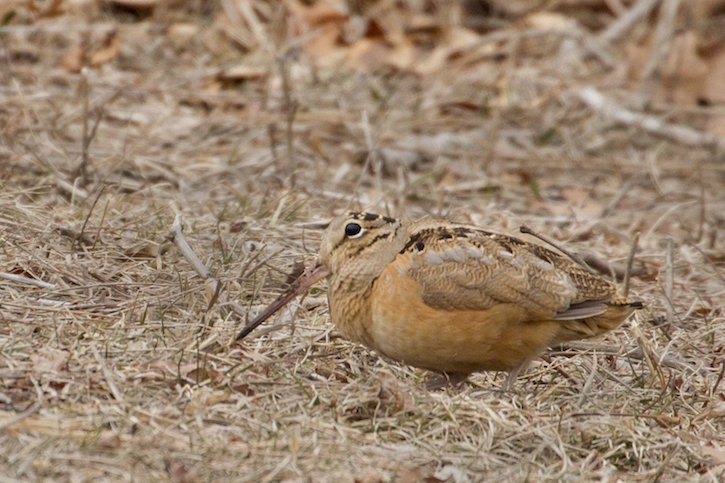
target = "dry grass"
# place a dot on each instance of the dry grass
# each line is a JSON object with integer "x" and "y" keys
{"x": 116, "y": 367}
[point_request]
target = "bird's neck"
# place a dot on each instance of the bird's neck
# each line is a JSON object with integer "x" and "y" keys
{"x": 349, "y": 301}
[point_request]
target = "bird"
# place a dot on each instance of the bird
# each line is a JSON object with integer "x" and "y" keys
{"x": 458, "y": 299}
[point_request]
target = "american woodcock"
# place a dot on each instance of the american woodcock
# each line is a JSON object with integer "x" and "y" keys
{"x": 458, "y": 299}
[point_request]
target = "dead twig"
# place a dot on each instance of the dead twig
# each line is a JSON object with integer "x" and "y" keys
{"x": 703, "y": 209}
{"x": 634, "y": 353}
{"x": 70, "y": 189}
{"x": 612, "y": 205}
{"x": 630, "y": 261}
{"x": 669, "y": 281}
{"x": 34, "y": 408}
{"x": 215, "y": 289}
{"x": 625, "y": 23}
{"x": 649, "y": 356}
{"x": 176, "y": 236}
{"x": 90, "y": 211}
{"x": 680, "y": 134}
{"x": 74, "y": 235}
{"x": 108, "y": 377}
{"x": 291, "y": 106}
{"x": 663, "y": 38}
{"x": 26, "y": 280}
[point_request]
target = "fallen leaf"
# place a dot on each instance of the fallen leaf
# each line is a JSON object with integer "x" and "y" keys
{"x": 716, "y": 455}
{"x": 72, "y": 61}
{"x": 177, "y": 471}
{"x": 324, "y": 41}
{"x": 137, "y": 4}
{"x": 322, "y": 12}
{"x": 106, "y": 53}
{"x": 368, "y": 55}
{"x": 182, "y": 32}
{"x": 549, "y": 20}
{"x": 241, "y": 73}
{"x": 49, "y": 361}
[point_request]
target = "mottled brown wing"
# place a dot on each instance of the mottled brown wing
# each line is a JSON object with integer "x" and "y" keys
{"x": 463, "y": 268}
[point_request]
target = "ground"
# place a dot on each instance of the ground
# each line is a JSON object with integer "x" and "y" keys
{"x": 597, "y": 123}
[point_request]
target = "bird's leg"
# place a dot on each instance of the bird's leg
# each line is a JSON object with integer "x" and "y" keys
{"x": 439, "y": 381}
{"x": 514, "y": 373}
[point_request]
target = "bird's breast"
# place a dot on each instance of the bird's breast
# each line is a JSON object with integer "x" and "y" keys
{"x": 406, "y": 329}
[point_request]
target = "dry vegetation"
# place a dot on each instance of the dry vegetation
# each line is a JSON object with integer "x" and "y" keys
{"x": 259, "y": 120}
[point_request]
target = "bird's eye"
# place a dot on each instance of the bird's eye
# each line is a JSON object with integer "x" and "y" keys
{"x": 353, "y": 230}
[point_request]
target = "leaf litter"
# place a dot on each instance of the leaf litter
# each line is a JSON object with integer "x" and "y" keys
{"x": 260, "y": 120}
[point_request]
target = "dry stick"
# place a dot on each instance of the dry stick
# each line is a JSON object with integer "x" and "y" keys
{"x": 87, "y": 137}
{"x": 90, "y": 210}
{"x": 291, "y": 108}
{"x": 649, "y": 356}
{"x": 34, "y": 408}
{"x": 626, "y": 186}
{"x": 625, "y": 23}
{"x": 616, "y": 7}
{"x": 365, "y": 168}
{"x": 81, "y": 170}
{"x": 590, "y": 380}
{"x": 635, "y": 353}
{"x": 663, "y": 37}
{"x": 272, "y": 134}
{"x": 630, "y": 261}
{"x": 63, "y": 185}
{"x": 74, "y": 235}
{"x": 100, "y": 224}
{"x": 29, "y": 281}
{"x": 703, "y": 211}
{"x": 494, "y": 131}
{"x": 108, "y": 376}
{"x": 177, "y": 237}
{"x": 669, "y": 280}
{"x": 681, "y": 134}
{"x": 375, "y": 162}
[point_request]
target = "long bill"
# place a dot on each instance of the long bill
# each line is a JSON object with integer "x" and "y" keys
{"x": 301, "y": 285}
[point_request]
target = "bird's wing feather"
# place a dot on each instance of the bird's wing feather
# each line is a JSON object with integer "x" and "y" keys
{"x": 464, "y": 268}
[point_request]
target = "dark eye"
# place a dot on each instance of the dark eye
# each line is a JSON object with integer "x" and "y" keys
{"x": 353, "y": 230}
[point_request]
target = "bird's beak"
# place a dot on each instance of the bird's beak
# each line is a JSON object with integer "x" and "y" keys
{"x": 300, "y": 286}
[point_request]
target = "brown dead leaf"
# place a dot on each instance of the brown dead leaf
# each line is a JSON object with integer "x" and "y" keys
{"x": 716, "y": 454}
{"x": 403, "y": 56}
{"x": 109, "y": 440}
{"x": 713, "y": 91}
{"x": 241, "y": 73}
{"x": 182, "y": 32}
{"x": 177, "y": 471}
{"x": 415, "y": 474}
{"x": 146, "y": 249}
{"x": 107, "y": 53}
{"x": 324, "y": 41}
{"x": 322, "y": 12}
{"x": 684, "y": 62}
{"x": 369, "y": 475}
{"x": 137, "y": 4}
{"x": 581, "y": 200}
{"x": 368, "y": 55}
{"x": 682, "y": 73}
{"x": 190, "y": 372}
{"x": 549, "y": 21}
{"x": 73, "y": 59}
{"x": 49, "y": 361}
{"x": 392, "y": 396}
